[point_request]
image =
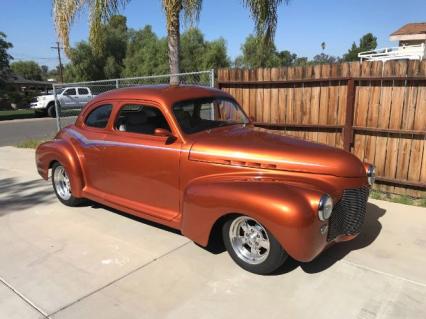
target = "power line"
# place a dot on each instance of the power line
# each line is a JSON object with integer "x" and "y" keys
{"x": 58, "y": 48}
{"x": 33, "y": 58}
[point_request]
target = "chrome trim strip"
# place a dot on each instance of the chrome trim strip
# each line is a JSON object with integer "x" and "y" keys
{"x": 88, "y": 143}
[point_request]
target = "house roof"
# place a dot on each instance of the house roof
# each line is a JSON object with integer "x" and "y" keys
{"x": 17, "y": 79}
{"x": 411, "y": 28}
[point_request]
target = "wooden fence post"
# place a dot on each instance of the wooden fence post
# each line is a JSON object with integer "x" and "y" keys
{"x": 348, "y": 132}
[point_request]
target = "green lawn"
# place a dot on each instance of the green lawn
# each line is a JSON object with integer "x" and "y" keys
{"x": 30, "y": 143}
{"x": 401, "y": 199}
{"x": 29, "y": 113}
{"x": 16, "y": 114}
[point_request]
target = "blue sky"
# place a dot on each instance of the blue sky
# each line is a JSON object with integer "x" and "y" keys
{"x": 302, "y": 25}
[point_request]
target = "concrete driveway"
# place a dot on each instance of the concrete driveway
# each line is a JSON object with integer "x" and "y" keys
{"x": 93, "y": 262}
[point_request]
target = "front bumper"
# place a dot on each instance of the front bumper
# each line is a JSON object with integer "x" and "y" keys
{"x": 38, "y": 105}
{"x": 344, "y": 224}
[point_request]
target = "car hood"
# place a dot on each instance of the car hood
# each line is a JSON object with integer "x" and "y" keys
{"x": 248, "y": 146}
{"x": 45, "y": 96}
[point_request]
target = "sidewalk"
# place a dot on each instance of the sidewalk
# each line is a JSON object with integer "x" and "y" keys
{"x": 92, "y": 262}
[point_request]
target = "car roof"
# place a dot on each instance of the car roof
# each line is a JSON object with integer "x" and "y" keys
{"x": 162, "y": 94}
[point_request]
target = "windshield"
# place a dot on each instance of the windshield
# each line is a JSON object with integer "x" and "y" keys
{"x": 208, "y": 113}
{"x": 58, "y": 91}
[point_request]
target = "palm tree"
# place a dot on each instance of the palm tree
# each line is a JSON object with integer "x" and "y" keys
{"x": 263, "y": 12}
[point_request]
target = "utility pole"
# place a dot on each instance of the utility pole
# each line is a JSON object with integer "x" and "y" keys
{"x": 60, "y": 61}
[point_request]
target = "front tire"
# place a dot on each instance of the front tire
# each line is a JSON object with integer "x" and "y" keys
{"x": 51, "y": 110}
{"x": 62, "y": 186}
{"x": 252, "y": 246}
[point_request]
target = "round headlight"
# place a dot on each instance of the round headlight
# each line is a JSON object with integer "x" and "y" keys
{"x": 371, "y": 174}
{"x": 325, "y": 207}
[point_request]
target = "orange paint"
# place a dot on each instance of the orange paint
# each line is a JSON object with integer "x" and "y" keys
{"x": 190, "y": 181}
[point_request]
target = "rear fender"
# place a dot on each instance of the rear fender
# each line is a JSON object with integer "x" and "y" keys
{"x": 64, "y": 153}
{"x": 287, "y": 211}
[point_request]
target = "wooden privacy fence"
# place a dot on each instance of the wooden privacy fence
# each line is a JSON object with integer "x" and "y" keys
{"x": 375, "y": 110}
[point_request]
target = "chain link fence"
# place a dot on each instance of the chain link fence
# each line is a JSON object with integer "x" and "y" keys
{"x": 70, "y": 98}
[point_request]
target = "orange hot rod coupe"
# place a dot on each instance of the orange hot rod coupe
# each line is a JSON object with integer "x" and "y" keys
{"x": 188, "y": 157}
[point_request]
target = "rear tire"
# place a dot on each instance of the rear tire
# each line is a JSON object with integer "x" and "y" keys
{"x": 252, "y": 246}
{"x": 62, "y": 186}
{"x": 51, "y": 110}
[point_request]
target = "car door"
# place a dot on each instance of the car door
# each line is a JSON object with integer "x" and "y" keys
{"x": 69, "y": 98}
{"x": 83, "y": 96}
{"x": 90, "y": 139}
{"x": 142, "y": 168}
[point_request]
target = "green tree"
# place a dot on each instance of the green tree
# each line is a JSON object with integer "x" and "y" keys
{"x": 5, "y": 57}
{"x": 146, "y": 54}
{"x": 263, "y": 12}
{"x": 88, "y": 64}
{"x": 44, "y": 72}
{"x": 199, "y": 54}
{"x": 286, "y": 58}
{"x": 114, "y": 46}
{"x": 29, "y": 70}
{"x": 84, "y": 66}
{"x": 53, "y": 73}
{"x": 366, "y": 43}
{"x": 215, "y": 55}
{"x": 323, "y": 58}
{"x": 257, "y": 54}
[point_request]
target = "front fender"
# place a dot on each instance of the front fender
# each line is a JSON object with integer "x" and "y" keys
{"x": 287, "y": 211}
{"x": 61, "y": 151}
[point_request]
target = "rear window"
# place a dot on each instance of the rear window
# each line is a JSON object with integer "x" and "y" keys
{"x": 83, "y": 91}
{"x": 99, "y": 117}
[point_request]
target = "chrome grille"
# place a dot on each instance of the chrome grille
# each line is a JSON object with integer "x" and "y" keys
{"x": 349, "y": 213}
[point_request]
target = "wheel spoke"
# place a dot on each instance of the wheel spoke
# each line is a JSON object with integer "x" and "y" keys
{"x": 62, "y": 183}
{"x": 245, "y": 227}
{"x": 249, "y": 240}
{"x": 264, "y": 243}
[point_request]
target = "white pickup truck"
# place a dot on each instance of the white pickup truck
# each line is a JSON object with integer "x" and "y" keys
{"x": 68, "y": 98}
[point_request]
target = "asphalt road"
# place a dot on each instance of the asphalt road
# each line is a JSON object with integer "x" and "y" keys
{"x": 16, "y": 131}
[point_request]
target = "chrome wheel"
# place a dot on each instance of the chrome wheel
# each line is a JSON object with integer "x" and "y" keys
{"x": 62, "y": 183}
{"x": 249, "y": 240}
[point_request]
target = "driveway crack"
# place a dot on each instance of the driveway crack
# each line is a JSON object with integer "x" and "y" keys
{"x": 25, "y": 299}
{"x": 119, "y": 278}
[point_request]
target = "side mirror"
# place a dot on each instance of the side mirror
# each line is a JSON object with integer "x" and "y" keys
{"x": 252, "y": 119}
{"x": 162, "y": 132}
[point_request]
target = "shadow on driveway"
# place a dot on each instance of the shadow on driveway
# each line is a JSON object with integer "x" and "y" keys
{"x": 128, "y": 215}
{"x": 16, "y": 195}
{"x": 370, "y": 231}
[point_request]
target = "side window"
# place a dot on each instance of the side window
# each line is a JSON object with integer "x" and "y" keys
{"x": 99, "y": 116}
{"x": 83, "y": 91}
{"x": 140, "y": 119}
{"x": 70, "y": 92}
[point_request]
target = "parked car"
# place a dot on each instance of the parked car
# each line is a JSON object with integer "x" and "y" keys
{"x": 68, "y": 98}
{"x": 188, "y": 157}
